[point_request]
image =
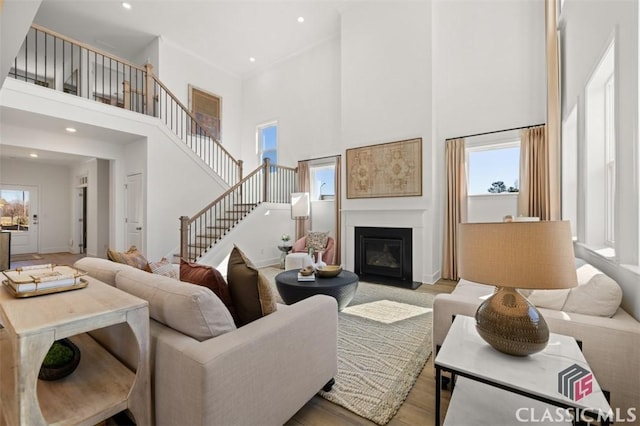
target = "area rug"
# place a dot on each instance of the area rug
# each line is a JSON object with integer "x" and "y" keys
{"x": 384, "y": 341}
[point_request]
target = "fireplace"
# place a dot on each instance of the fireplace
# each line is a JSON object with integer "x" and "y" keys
{"x": 384, "y": 255}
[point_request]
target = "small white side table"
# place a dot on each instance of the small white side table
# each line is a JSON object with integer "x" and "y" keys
{"x": 101, "y": 386}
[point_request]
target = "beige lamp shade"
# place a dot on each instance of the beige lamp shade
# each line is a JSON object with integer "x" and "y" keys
{"x": 300, "y": 206}
{"x": 529, "y": 255}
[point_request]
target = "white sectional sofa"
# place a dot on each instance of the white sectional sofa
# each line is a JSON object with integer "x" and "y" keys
{"x": 611, "y": 345}
{"x": 261, "y": 373}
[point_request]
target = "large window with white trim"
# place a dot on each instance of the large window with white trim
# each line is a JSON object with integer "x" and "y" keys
{"x": 600, "y": 158}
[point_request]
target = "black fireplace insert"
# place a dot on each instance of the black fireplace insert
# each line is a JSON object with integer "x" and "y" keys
{"x": 384, "y": 255}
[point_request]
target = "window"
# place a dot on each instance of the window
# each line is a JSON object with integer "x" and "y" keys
{"x": 14, "y": 210}
{"x": 268, "y": 142}
{"x": 323, "y": 182}
{"x": 610, "y": 161}
{"x": 600, "y": 159}
{"x": 494, "y": 169}
{"x": 570, "y": 170}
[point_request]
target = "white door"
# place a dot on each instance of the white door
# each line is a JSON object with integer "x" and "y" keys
{"x": 134, "y": 210}
{"x": 19, "y": 214}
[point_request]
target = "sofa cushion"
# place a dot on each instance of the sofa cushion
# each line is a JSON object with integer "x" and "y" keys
{"x": 210, "y": 277}
{"x": 101, "y": 269}
{"x": 596, "y": 294}
{"x": 131, "y": 257}
{"x": 251, "y": 292}
{"x": 550, "y": 299}
{"x": 190, "y": 309}
{"x": 163, "y": 267}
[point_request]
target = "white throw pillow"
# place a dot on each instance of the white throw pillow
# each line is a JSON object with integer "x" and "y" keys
{"x": 596, "y": 294}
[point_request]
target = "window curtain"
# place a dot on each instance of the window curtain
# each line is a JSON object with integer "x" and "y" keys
{"x": 553, "y": 109}
{"x": 534, "y": 198}
{"x": 338, "y": 192}
{"x": 455, "y": 205}
{"x": 304, "y": 185}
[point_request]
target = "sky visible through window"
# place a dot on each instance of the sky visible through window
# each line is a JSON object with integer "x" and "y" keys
{"x": 492, "y": 165}
{"x": 269, "y": 137}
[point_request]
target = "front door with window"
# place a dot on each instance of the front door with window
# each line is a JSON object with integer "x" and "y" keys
{"x": 19, "y": 215}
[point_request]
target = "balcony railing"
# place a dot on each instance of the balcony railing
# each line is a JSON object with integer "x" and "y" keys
{"x": 52, "y": 60}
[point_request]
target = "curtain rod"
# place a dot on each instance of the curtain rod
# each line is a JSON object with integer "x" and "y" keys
{"x": 496, "y": 131}
{"x": 323, "y": 158}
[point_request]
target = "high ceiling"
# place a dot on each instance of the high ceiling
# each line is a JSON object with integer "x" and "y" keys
{"x": 223, "y": 33}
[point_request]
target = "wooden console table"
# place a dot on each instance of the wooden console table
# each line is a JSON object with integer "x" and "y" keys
{"x": 101, "y": 386}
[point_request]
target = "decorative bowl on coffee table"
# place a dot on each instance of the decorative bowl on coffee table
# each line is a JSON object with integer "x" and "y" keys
{"x": 329, "y": 271}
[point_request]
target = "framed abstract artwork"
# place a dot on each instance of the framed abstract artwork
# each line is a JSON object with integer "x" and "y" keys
{"x": 391, "y": 169}
{"x": 206, "y": 108}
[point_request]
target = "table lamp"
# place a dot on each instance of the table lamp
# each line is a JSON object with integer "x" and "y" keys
{"x": 526, "y": 255}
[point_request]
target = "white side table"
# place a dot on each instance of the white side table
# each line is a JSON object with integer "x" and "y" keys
{"x": 101, "y": 386}
{"x": 464, "y": 353}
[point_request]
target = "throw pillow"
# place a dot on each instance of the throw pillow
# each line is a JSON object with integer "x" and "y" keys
{"x": 131, "y": 257}
{"x": 210, "y": 277}
{"x": 163, "y": 267}
{"x": 251, "y": 292}
{"x": 316, "y": 240}
{"x": 596, "y": 293}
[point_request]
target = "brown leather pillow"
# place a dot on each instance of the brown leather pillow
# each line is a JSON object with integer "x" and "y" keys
{"x": 210, "y": 277}
{"x": 251, "y": 292}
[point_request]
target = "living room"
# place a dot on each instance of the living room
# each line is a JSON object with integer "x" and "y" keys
{"x": 390, "y": 72}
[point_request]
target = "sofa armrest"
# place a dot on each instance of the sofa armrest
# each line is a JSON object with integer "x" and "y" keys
{"x": 262, "y": 373}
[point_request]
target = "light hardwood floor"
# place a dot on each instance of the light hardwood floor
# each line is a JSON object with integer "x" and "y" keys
{"x": 418, "y": 408}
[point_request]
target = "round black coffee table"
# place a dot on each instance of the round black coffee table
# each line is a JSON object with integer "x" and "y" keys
{"x": 342, "y": 287}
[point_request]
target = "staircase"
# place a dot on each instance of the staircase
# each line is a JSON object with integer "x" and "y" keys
{"x": 52, "y": 60}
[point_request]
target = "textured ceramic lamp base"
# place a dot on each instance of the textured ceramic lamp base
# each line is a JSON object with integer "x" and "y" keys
{"x": 511, "y": 324}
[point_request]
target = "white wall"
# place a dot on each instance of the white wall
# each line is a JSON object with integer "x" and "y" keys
{"x": 15, "y": 19}
{"x": 54, "y": 202}
{"x": 587, "y": 29}
{"x": 491, "y": 207}
{"x": 488, "y": 74}
{"x": 303, "y": 95}
{"x": 178, "y": 68}
{"x": 386, "y": 96}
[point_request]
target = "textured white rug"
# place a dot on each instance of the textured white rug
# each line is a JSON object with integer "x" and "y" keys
{"x": 384, "y": 341}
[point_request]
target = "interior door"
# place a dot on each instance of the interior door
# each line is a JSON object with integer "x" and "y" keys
{"x": 19, "y": 215}
{"x": 134, "y": 209}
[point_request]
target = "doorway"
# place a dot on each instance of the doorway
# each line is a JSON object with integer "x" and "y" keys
{"x": 134, "y": 208}
{"x": 82, "y": 220}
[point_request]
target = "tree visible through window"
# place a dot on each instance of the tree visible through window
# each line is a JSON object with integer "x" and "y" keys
{"x": 494, "y": 169}
{"x": 14, "y": 210}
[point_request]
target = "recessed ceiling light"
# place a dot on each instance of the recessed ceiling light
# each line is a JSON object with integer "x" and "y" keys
{"x": 301, "y": 19}
{"x": 126, "y": 5}
{"x": 252, "y": 59}
{"x": 33, "y": 155}
{"x": 70, "y": 130}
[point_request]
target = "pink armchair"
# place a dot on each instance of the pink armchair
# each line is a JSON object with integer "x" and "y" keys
{"x": 327, "y": 254}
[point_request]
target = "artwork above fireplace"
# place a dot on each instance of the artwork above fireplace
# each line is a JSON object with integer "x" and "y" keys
{"x": 384, "y": 255}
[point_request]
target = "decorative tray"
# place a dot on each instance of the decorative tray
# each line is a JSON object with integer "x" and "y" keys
{"x": 36, "y": 280}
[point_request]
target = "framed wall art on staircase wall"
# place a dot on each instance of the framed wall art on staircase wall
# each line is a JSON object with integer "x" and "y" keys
{"x": 206, "y": 107}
